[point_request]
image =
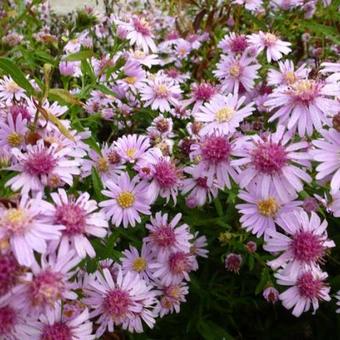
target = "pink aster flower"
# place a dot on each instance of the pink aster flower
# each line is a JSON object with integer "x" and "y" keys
{"x": 233, "y": 44}
{"x": 223, "y": 114}
{"x": 80, "y": 219}
{"x": 167, "y": 237}
{"x": 49, "y": 283}
{"x": 54, "y": 325}
{"x": 200, "y": 94}
{"x": 70, "y": 68}
{"x": 12, "y": 132}
{"x": 198, "y": 186}
{"x": 287, "y": 75}
{"x": 122, "y": 301}
{"x": 272, "y": 160}
{"x": 275, "y": 47}
{"x": 237, "y": 73}
{"x": 303, "y": 104}
{"x": 262, "y": 207}
{"x": 271, "y": 294}
{"x": 134, "y": 262}
{"x": 161, "y": 127}
{"x": 41, "y": 166}
{"x": 166, "y": 177}
{"x": 25, "y": 230}
{"x": 143, "y": 58}
{"x": 305, "y": 292}
{"x": 171, "y": 298}
{"x": 326, "y": 153}
{"x": 160, "y": 92}
{"x": 10, "y": 90}
{"x": 182, "y": 48}
{"x": 130, "y": 148}
{"x": 233, "y": 262}
{"x": 214, "y": 154}
{"x": 303, "y": 247}
{"x": 128, "y": 198}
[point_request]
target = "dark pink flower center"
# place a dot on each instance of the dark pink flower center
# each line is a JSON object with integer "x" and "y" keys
{"x": 215, "y": 149}
{"x": 233, "y": 262}
{"x": 117, "y": 303}
{"x": 239, "y": 44}
{"x": 57, "y": 331}
{"x": 172, "y": 73}
{"x": 308, "y": 286}
{"x": 47, "y": 288}
{"x": 179, "y": 263}
{"x": 204, "y": 92}
{"x": 164, "y": 236}
{"x": 307, "y": 247}
{"x": 141, "y": 26}
{"x": 7, "y": 321}
{"x": 9, "y": 270}
{"x": 72, "y": 217}
{"x": 40, "y": 163}
{"x": 166, "y": 174}
{"x": 269, "y": 158}
{"x": 202, "y": 182}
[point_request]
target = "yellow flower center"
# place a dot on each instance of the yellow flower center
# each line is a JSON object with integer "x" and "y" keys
{"x": 103, "y": 164}
{"x": 162, "y": 90}
{"x": 303, "y": 86}
{"x": 235, "y": 70}
{"x": 12, "y": 87}
{"x": 166, "y": 302}
{"x": 126, "y": 199}
{"x": 139, "y": 264}
{"x": 15, "y": 219}
{"x": 224, "y": 114}
{"x": 290, "y": 77}
{"x": 174, "y": 291}
{"x": 270, "y": 38}
{"x": 131, "y": 80}
{"x": 182, "y": 51}
{"x": 14, "y": 139}
{"x": 268, "y": 207}
{"x": 139, "y": 54}
{"x": 131, "y": 152}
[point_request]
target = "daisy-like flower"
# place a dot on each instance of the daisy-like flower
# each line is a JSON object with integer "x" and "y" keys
{"x": 198, "y": 186}
{"x": 171, "y": 298}
{"x": 271, "y": 294}
{"x": 10, "y": 90}
{"x": 12, "y": 132}
{"x": 161, "y": 127}
{"x": 233, "y": 44}
{"x": 134, "y": 262}
{"x": 50, "y": 282}
{"x": 233, "y": 262}
{"x": 80, "y": 219}
{"x": 166, "y": 237}
{"x": 223, "y": 114}
{"x": 130, "y": 148}
{"x": 143, "y": 58}
{"x": 272, "y": 160}
{"x": 139, "y": 33}
{"x": 41, "y": 166}
{"x": 135, "y": 76}
{"x": 200, "y": 93}
{"x": 124, "y": 301}
{"x": 303, "y": 104}
{"x": 24, "y": 229}
{"x": 262, "y": 208}
{"x": 166, "y": 177}
{"x": 306, "y": 290}
{"x": 326, "y": 153}
{"x": 128, "y": 198}
{"x": 172, "y": 268}
{"x": 159, "y": 92}
{"x": 250, "y": 5}
{"x": 182, "y": 48}
{"x": 275, "y": 47}
{"x": 54, "y": 325}
{"x": 214, "y": 154}
{"x": 237, "y": 73}
{"x": 286, "y": 75}
{"x": 303, "y": 247}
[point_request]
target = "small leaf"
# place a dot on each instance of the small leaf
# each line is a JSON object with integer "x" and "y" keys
{"x": 81, "y": 55}
{"x": 97, "y": 185}
{"x": 65, "y": 96}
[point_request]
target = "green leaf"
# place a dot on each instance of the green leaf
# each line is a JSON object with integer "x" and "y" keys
{"x": 212, "y": 331}
{"x": 81, "y": 55}
{"x": 328, "y": 31}
{"x": 11, "y": 69}
{"x": 97, "y": 185}
{"x": 64, "y": 96}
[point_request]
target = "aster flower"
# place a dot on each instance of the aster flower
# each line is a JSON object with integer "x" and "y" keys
{"x": 275, "y": 47}
{"x": 271, "y": 294}
{"x": 326, "y": 153}
{"x": 223, "y": 114}
{"x": 12, "y": 132}
{"x": 159, "y": 92}
{"x": 200, "y": 93}
{"x": 143, "y": 58}
{"x": 273, "y": 160}
{"x": 130, "y": 148}
{"x": 250, "y": 5}
{"x": 233, "y": 44}
{"x": 70, "y": 68}
{"x": 80, "y": 219}
{"x": 54, "y": 325}
{"x": 303, "y": 104}
{"x": 135, "y": 76}
{"x": 233, "y": 262}
{"x": 182, "y": 48}
{"x": 161, "y": 127}
{"x": 303, "y": 247}
{"x": 128, "y": 198}
{"x": 306, "y": 290}
{"x": 122, "y": 301}
{"x": 25, "y": 231}
{"x": 167, "y": 237}
{"x": 134, "y": 262}
{"x": 10, "y": 90}
{"x": 287, "y": 75}
{"x": 262, "y": 207}
{"x": 237, "y": 73}
{"x": 41, "y": 166}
